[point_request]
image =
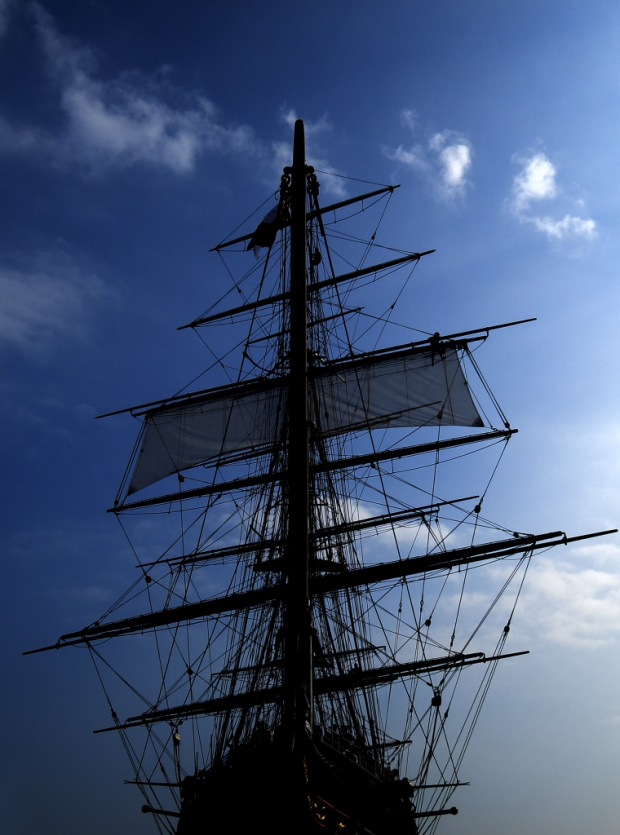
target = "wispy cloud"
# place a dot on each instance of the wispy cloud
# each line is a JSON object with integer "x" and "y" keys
{"x": 130, "y": 120}
{"x": 5, "y": 9}
{"x": 537, "y": 182}
{"x": 330, "y": 179}
{"x": 444, "y": 157}
{"x": 19, "y": 139}
{"x": 141, "y": 120}
{"x": 311, "y": 129}
{"x": 567, "y": 226}
{"x": 48, "y": 297}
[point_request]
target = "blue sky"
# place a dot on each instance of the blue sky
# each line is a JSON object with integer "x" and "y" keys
{"x": 135, "y": 136}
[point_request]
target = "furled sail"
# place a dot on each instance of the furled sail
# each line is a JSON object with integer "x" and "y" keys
{"x": 414, "y": 388}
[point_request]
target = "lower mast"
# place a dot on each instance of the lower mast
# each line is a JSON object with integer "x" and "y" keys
{"x": 298, "y": 672}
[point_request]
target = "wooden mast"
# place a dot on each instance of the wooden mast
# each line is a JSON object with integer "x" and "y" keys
{"x": 298, "y": 673}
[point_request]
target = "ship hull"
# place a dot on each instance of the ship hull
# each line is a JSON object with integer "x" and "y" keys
{"x": 318, "y": 790}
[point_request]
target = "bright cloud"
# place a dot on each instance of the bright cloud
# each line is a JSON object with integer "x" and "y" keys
{"x": 126, "y": 121}
{"x": 574, "y": 604}
{"x": 537, "y": 181}
{"x": 50, "y": 298}
{"x": 569, "y": 225}
{"x": 454, "y": 155}
{"x": 446, "y": 158}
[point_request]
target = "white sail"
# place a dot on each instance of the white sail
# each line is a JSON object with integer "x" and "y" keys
{"x": 419, "y": 389}
{"x": 422, "y": 388}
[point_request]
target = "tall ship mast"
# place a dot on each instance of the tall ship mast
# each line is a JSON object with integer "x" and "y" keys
{"x": 312, "y": 633}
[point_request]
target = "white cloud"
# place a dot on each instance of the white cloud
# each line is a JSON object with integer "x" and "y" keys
{"x": 574, "y": 603}
{"x": 412, "y": 158}
{"x": 124, "y": 127}
{"x": 124, "y": 121}
{"x": 49, "y": 298}
{"x": 454, "y": 161}
{"x": 536, "y": 182}
{"x": 445, "y": 157}
{"x": 569, "y": 225}
{"x": 135, "y": 119}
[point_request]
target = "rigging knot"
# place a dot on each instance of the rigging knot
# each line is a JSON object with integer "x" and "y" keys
{"x": 285, "y": 183}
{"x": 313, "y": 183}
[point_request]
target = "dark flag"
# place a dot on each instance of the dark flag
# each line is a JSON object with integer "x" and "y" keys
{"x": 267, "y": 229}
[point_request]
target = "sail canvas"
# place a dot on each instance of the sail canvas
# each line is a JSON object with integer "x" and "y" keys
{"x": 419, "y": 389}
